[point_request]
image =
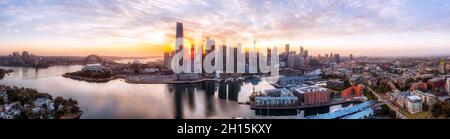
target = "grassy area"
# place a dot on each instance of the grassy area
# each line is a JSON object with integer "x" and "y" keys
{"x": 421, "y": 115}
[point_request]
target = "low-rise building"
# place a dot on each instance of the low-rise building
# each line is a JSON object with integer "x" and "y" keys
{"x": 150, "y": 70}
{"x": 11, "y": 111}
{"x": 336, "y": 83}
{"x": 3, "y": 96}
{"x": 44, "y": 102}
{"x": 187, "y": 76}
{"x": 399, "y": 98}
{"x": 419, "y": 85}
{"x": 436, "y": 82}
{"x": 427, "y": 98}
{"x": 352, "y": 92}
{"x": 95, "y": 68}
{"x": 290, "y": 81}
{"x": 413, "y": 104}
{"x": 447, "y": 85}
{"x": 313, "y": 95}
{"x": 276, "y": 97}
{"x": 356, "y": 79}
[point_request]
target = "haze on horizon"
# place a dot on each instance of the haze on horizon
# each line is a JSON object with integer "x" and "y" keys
{"x": 147, "y": 27}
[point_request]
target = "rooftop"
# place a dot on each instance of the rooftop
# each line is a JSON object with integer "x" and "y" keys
{"x": 414, "y": 98}
{"x": 307, "y": 89}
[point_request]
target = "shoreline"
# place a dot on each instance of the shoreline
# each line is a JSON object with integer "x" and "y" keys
{"x": 169, "y": 81}
{"x": 103, "y": 80}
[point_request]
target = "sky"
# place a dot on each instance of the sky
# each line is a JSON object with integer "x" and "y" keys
{"x": 147, "y": 27}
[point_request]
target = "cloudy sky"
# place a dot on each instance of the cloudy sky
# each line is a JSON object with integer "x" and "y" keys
{"x": 146, "y": 27}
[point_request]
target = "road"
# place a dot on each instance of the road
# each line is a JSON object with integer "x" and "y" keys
{"x": 389, "y": 103}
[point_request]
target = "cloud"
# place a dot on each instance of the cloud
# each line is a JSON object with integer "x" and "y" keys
{"x": 153, "y": 21}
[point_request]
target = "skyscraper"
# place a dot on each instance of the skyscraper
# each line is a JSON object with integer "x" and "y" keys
{"x": 337, "y": 57}
{"x": 235, "y": 60}
{"x": 287, "y": 49}
{"x": 179, "y": 36}
{"x": 421, "y": 68}
{"x": 269, "y": 56}
{"x": 224, "y": 58}
{"x": 179, "y": 32}
{"x": 291, "y": 60}
{"x": 192, "y": 56}
{"x": 301, "y": 50}
{"x": 305, "y": 54}
{"x": 167, "y": 59}
{"x": 178, "y": 42}
{"x": 331, "y": 57}
{"x": 442, "y": 66}
{"x": 351, "y": 57}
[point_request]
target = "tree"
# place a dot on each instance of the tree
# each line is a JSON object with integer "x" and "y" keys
{"x": 447, "y": 113}
{"x": 437, "y": 109}
{"x": 425, "y": 107}
{"x": 347, "y": 84}
{"x": 385, "y": 109}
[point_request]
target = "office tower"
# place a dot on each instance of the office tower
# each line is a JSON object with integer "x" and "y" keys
{"x": 301, "y": 50}
{"x": 25, "y": 54}
{"x": 179, "y": 37}
{"x": 179, "y": 43}
{"x": 192, "y": 56}
{"x": 235, "y": 53}
{"x": 421, "y": 68}
{"x": 269, "y": 56}
{"x": 179, "y": 32}
{"x": 442, "y": 66}
{"x": 224, "y": 58}
{"x": 447, "y": 67}
{"x": 331, "y": 57}
{"x": 351, "y": 57}
{"x": 209, "y": 45}
{"x": 291, "y": 60}
{"x": 299, "y": 61}
{"x": 167, "y": 59}
{"x": 16, "y": 54}
{"x": 247, "y": 60}
{"x": 336, "y": 57}
{"x": 287, "y": 49}
{"x": 305, "y": 54}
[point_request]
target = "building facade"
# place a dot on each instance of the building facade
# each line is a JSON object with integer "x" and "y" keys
{"x": 427, "y": 98}
{"x": 313, "y": 95}
{"x": 447, "y": 85}
{"x": 276, "y": 97}
{"x": 352, "y": 92}
{"x": 413, "y": 104}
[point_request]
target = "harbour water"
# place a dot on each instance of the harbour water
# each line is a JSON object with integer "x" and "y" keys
{"x": 117, "y": 99}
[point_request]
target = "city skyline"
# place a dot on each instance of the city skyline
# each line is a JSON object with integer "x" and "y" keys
{"x": 146, "y": 28}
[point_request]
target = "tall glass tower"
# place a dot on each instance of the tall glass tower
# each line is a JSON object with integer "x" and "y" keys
{"x": 179, "y": 37}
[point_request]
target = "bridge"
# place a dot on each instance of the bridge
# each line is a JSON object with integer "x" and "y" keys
{"x": 93, "y": 58}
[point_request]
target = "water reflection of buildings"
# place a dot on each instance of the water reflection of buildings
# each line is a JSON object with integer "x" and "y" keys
{"x": 185, "y": 95}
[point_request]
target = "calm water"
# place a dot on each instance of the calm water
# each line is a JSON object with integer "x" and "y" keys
{"x": 117, "y": 99}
